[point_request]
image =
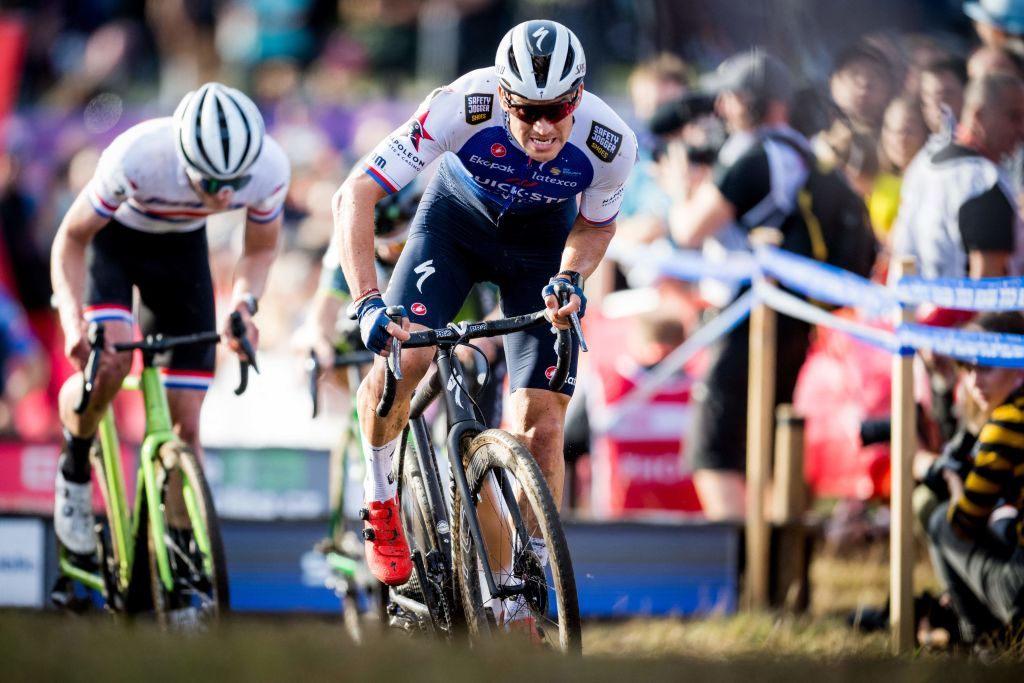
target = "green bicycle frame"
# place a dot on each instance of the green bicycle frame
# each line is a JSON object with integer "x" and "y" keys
{"x": 159, "y": 430}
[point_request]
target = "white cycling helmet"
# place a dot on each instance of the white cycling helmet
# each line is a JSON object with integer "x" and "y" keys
{"x": 540, "y": 60}
{"x": 218, "y": 131}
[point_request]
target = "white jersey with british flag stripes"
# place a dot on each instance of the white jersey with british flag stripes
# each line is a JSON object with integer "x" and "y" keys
{"x": 466, "y": 120}
{"x": 141, "y": 183}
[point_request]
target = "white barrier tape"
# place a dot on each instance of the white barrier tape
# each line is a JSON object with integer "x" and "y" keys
{"x": 801, "y": 310}
{"x": 981, "y": 348}
{"x": 717, "y": 327}
{"x": 988, "y": 294}
{"x": 825, "y": 282}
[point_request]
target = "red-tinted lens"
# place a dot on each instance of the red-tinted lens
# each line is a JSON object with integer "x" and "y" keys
{"x": 554, "y": 112}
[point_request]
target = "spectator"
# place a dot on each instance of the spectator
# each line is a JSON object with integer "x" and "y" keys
{"x": 974, "y": 230}
{"x": 643, "y": 217}
{"x": 999, "y": 23}
{"x": 942, "y": 83}
{"x": 763, "y": 158}
{"x": 986, "y": 59}
{"x": 983, "y": 574}
{"x": 862, "y": 84}
{"x": 23, "y": 366}
{"x": 904, "y": 133}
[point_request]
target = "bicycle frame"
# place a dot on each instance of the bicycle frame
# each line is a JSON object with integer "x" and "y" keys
{"x": 159, "y": 431}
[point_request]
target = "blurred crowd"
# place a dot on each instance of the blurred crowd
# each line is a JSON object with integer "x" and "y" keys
{"x": 332, "y": 77}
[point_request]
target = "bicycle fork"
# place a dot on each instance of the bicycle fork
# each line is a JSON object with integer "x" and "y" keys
{"x": 463, "y": 420}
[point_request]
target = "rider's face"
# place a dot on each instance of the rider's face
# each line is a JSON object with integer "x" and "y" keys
{"x": 543, "y": 139}
{"x": 216, "y": 201}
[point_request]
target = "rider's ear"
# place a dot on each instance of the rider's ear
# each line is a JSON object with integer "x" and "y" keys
{"x": 502, "y": 97}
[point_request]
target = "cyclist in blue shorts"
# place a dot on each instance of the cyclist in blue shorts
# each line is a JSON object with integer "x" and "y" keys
{"x": 527, "y": 192}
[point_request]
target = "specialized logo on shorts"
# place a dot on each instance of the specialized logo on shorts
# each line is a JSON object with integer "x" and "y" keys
{"x": 550, "y": 372}
{"x": 498, "y": 150}
{"x": 478, "y": 107}
{"x": 425, "y": 269}
{"x": 418, "y": 309}
{"x": 417, "y": 130}
{"x": 604, "y": 142}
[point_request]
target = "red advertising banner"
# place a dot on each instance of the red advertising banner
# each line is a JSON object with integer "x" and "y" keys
{"x": 27, "y": 472}
{"x": 12, "y": 54}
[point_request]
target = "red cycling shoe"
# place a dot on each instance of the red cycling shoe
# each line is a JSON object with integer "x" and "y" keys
{"x": 387, "y": 551}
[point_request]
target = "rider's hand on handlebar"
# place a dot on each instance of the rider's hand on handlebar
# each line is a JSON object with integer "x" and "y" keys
{"x": 559, "y": 315}
{"x": 252, "y": 333}
{"x": 376, "y": 329}
{"x": 76, "y": 345}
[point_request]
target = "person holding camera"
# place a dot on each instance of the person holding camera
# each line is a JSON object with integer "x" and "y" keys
{"x": 754, "y": 182}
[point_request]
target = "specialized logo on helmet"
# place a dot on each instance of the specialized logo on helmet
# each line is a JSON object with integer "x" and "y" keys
{"x": 540, "y": 34}
{"x": 478, "y": 107}
{"x": 498, "y": 150}
{"x": 418, "y": 308}
{"x": 417, "y": 130}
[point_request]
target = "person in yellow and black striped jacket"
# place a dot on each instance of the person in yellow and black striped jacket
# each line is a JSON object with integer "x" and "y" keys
{"x": 983, "y": 573}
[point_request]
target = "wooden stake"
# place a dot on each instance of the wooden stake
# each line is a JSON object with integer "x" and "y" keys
{"x": 788, "y": 488}
{"x": 760, "y": 410}
{"x": 901, "y": 540}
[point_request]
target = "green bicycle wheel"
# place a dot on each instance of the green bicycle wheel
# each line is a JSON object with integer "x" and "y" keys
{"x": 199, "y": 593}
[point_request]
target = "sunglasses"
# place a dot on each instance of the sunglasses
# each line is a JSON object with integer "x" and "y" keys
{"x": 215, "y": 185}
{"x": 553, "y": 112}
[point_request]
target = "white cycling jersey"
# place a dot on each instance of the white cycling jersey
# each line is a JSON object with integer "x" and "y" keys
{"x": 141, "y": 183}
{"x": 466, "y": 119}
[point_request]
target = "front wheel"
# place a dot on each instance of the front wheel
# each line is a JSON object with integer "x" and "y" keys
{"x": 199, "y": 581}
{"x": 513, "y": 503}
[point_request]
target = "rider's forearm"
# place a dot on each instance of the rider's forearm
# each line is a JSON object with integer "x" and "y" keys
{"x": 67, "y": 272}
{"x": 353, "y": 224}
{"x": 585, "y": 247}
{"x": 258, "y": 253}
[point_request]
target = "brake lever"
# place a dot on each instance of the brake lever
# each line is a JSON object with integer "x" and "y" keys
{"x": 313, "y": 368}
{"x": 238, "y": 332}
{"x": 394, "y": 359}
{"x": 97, "y": 340}
{"x": 574, "y": 321}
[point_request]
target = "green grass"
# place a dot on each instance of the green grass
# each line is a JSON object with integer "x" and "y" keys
{"x": 817, "y": 646}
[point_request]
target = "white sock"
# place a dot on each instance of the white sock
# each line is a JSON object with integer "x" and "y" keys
{"x": 379, "y": 484}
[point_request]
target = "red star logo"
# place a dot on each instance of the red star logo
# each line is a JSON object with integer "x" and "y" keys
{"x": 418, "y": 130}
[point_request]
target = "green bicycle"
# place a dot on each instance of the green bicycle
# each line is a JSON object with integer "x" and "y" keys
{"x": 167, "y": 554}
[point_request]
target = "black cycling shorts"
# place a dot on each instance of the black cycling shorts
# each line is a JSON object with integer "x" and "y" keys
{"x": 172, "y": 273}
{"x": 717, "y": 439}
{"x": 452, "y": 245}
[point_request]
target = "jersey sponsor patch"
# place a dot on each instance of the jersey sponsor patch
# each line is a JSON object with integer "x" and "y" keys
{"x": 604, "y": 142}
{"x": 478, "y": 107}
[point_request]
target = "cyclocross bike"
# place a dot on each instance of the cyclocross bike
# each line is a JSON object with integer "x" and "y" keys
{"x": 489, "y": 468}
{"x": 168, "y": 553}
{"x": 360, "y": 593}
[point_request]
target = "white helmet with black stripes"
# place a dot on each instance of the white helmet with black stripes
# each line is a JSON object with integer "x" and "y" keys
{"x": 540, "y": 60}
{"x": 218, "y": 131}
